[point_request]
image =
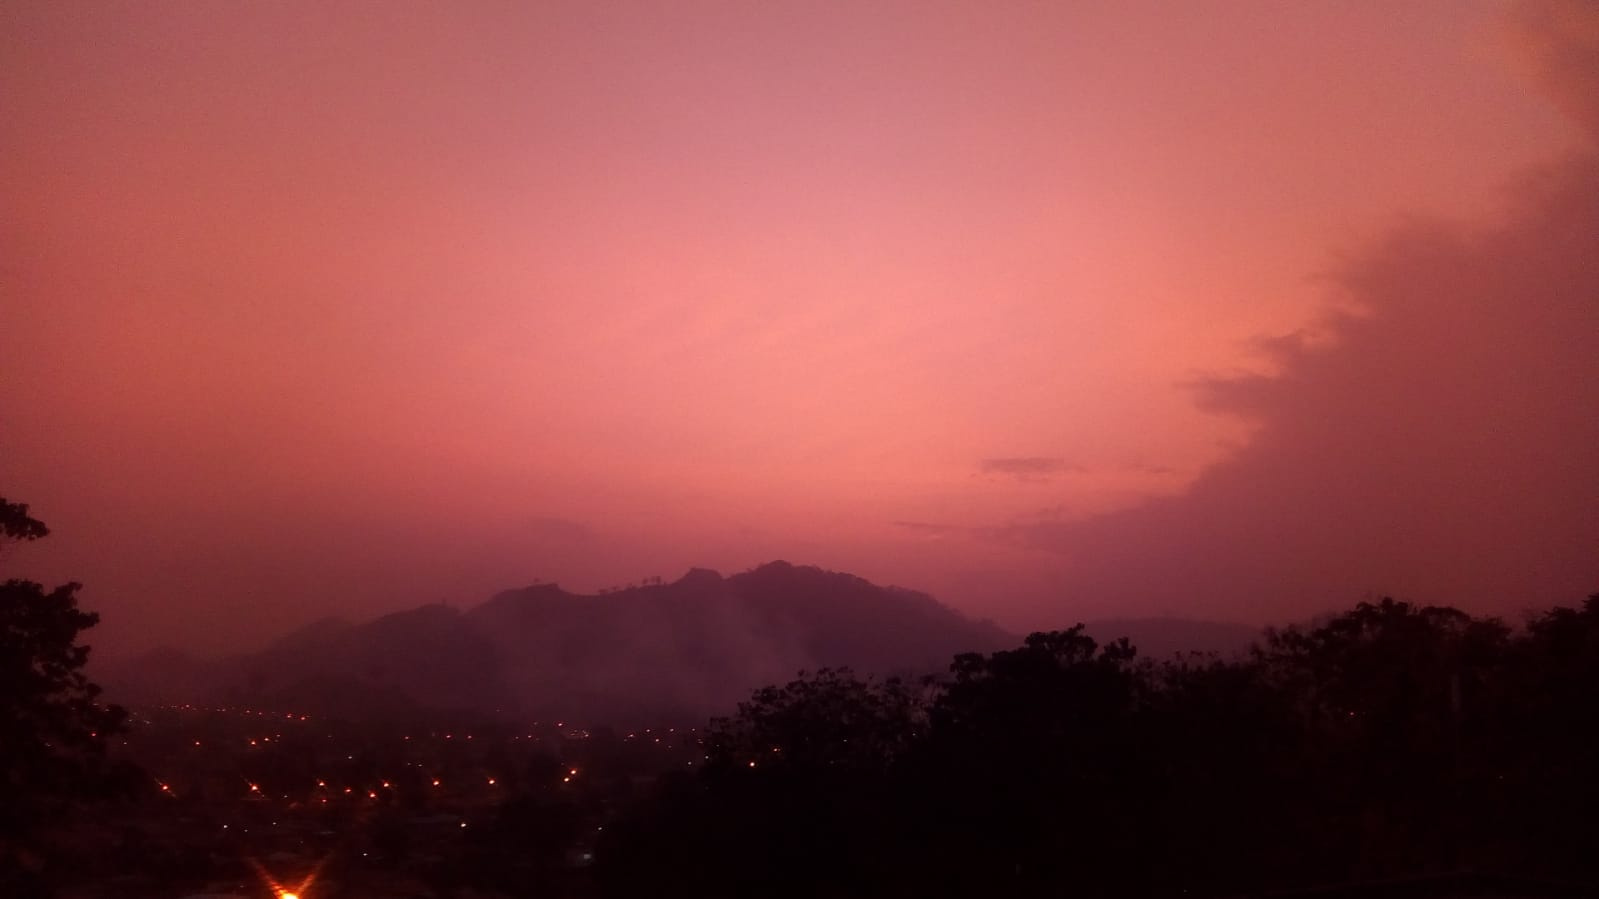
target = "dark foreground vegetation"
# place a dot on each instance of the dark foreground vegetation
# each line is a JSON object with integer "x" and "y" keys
{"x": 1379, "y": 746}
{"x": 1388, "y": 742}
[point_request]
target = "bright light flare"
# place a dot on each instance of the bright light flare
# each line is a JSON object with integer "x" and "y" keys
{"x": 281, "y": 890}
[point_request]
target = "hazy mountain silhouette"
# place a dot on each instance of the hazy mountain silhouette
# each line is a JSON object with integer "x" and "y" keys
{"x": 687, "y": 648}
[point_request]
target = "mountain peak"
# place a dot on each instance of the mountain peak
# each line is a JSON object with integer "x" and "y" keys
{"x": 699, "y": 576}
{"x": 681, "y": 650}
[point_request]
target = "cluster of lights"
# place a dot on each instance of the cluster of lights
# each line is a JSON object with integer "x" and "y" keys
{"x": 255, "y": 790}
{"x": 224, "y": 710}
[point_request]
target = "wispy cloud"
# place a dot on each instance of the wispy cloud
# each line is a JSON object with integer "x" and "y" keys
{"x": 930, "y": 531}
{"x": 1027, "y": 468}
{"x": 564, "y": 529}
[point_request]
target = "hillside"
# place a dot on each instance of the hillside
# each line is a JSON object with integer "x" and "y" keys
{"x": 688, "y": 648}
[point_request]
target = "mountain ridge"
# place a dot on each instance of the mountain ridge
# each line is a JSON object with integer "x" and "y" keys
{"x": 684, "y": 648}
{"x": 681, "y": 649}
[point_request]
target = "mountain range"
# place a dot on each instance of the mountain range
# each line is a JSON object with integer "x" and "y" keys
{"x": 684, "y": 649}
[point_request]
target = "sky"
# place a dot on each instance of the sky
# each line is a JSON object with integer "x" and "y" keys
{"x": 1225, "y": 310}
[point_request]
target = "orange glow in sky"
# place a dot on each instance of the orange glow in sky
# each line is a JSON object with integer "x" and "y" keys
{"x": 313, "y": 309}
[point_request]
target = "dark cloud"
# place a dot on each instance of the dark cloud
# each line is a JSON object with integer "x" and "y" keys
{"x": 1437, "y": 439}
{"x": 1442, "y": 444}
{"x": 1558, "y": 41}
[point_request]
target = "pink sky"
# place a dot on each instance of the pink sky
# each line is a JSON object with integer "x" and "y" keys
{"x": 312, "y": 309}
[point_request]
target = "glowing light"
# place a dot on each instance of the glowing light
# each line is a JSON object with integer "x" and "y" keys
{"x": 491, "y": 781}
{"x": 288, "y": 895}
{"x": 255, "y": 788}
{"x": 435, "y": 782}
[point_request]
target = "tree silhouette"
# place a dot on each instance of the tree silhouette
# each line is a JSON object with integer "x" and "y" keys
{"x": 795, "y": 797}
{"x": 1385, "y": 743}
{"x": 53, "y": 729}
{"x": 828, "y": 719}
{"x": 1392, "y": 700}
{"x": 1547, "y": 777}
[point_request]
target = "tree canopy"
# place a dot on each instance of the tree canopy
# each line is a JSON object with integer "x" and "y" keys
{"x": 53, "y": 728}
{"x": 1389, "y": 741}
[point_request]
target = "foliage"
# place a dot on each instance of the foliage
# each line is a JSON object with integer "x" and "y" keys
{"x": 53, "y": 729}
{"x": 828, "y": 720}
{"x": 17, "y": 524}
{"x": 1389, "y": 741}
{"x": 791, "y": 800}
